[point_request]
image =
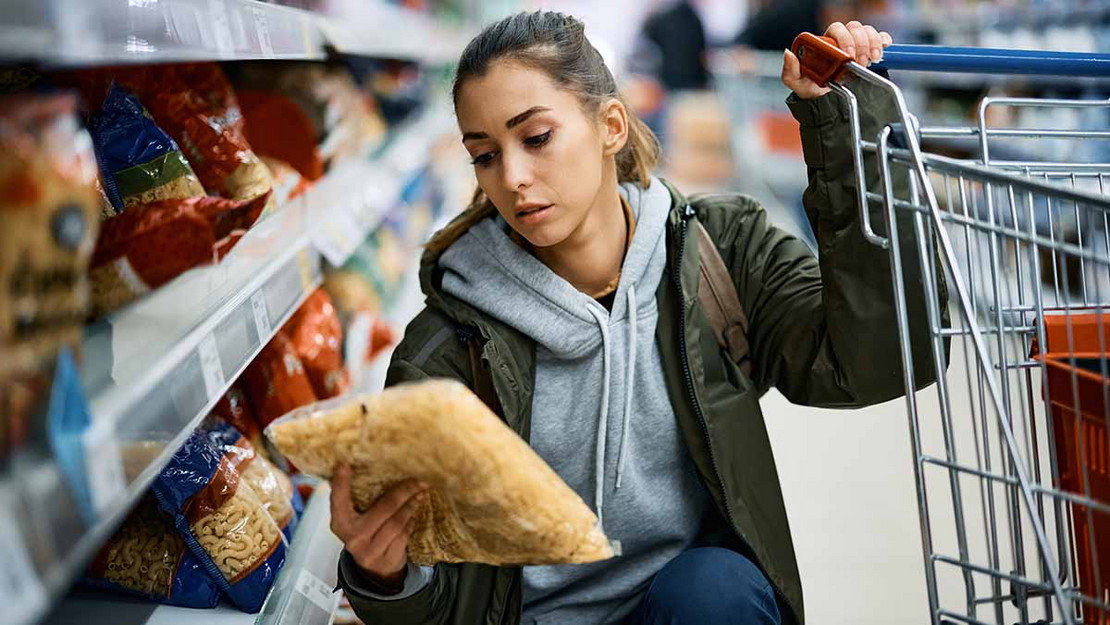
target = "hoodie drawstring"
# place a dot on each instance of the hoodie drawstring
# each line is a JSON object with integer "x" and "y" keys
{"x": 603, "y": 416}
{"x": 630, "y": 378}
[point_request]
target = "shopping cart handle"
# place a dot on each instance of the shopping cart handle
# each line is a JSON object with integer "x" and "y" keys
{"x": 821, "y": 60}
{"x": 996, "y": 61}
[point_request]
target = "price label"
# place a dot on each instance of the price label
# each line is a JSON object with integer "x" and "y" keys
{"x": 261, "y": 316}
{"x": 304, "y": 266}
{"x": 339, "y": 235}
{"x": 103, "y": 466}
{"x": 262, "y": 29}
{"x": 316, "y": 591}
{"x": 22, "y": 595}
{"x": 211, "y": 367}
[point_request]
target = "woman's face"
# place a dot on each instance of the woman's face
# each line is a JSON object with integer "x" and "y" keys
{"x": 538, "y": 157}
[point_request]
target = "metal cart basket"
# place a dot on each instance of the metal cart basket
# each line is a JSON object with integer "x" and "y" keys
{"x": 1011, "y": 446}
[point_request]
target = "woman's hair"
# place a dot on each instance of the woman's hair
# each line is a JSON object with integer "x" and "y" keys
{"x": 556, "y": 44}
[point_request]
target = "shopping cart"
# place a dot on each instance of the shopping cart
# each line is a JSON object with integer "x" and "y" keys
{"x": 1011, "y": 447}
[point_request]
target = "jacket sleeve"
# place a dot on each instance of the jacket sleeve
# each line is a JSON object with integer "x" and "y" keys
{"x": 824, "y": 330}
{"x": 427, "y": 600}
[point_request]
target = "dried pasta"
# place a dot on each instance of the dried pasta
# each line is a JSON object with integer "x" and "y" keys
{"x": 238, "y": 534}
{"x": 492, "y": 499}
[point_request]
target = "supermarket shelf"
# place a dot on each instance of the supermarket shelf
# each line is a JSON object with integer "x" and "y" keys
{"x": 83, "y": 32}
{"x": 301, "y": 594}
{"x": 155, "y": 368}
{"x": 100, "y": 32}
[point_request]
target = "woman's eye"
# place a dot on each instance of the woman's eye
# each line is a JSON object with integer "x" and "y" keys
{"x": 482, "y": 160}
{"x": 538, "y": 140}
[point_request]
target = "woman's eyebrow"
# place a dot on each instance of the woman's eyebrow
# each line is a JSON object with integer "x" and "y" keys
{"x": 514, "y": 121}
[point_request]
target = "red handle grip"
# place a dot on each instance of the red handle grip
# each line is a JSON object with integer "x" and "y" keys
{"x": 821, "y": 60}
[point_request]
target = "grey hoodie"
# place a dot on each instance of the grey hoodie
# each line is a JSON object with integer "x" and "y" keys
{"x": 599, "y": 381}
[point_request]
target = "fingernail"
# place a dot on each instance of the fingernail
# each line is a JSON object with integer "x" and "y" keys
{"x": 876, "y": 53}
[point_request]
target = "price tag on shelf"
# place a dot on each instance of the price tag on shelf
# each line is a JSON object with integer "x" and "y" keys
{"x": 261, "y": 316}
{"x": 316, "y": 591}
{"x": 210, "y": 367}
{"x": 304, "y": 266}
{"x": 262, "y": 29}
{"x": 22, "y": 595}
{"x": 338, "y": 235}
{"x": 103, "y": 466}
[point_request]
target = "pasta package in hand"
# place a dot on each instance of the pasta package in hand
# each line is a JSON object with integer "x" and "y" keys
{"x": 148, "y": 558}
{"x": 276, "y": 382}
{"x": 273, "y": 487}
{"x": 317, "y": 336}
{"x": 150, "y": 244}
{"x": 492, "y": 499}
{"x": 222, "y": 521}
{"x": 141, "y": 162}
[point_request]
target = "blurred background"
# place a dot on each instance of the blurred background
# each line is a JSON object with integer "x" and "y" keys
{"x": 211, "y": 213}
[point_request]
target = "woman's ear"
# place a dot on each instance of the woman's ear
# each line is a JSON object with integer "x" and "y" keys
{"x": 614, "y": 127}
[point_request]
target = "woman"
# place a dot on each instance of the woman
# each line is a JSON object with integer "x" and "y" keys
{"x": 573, "y": 272}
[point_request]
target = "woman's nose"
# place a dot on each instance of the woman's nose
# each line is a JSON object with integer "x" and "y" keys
{"x": 516, "y": 171}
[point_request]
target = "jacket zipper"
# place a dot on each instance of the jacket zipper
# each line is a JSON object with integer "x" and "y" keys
{"x": 688, "y": 377}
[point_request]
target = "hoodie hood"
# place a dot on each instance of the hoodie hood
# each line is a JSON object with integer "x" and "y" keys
{"x": 485, "y": 269}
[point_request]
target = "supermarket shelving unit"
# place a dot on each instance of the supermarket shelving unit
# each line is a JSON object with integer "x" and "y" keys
{"x": 154, "y": 369}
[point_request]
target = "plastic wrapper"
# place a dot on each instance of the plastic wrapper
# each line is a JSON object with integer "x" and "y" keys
{"x": 317, "y": 337}
{"x": 150, "y": 244}
{"x": 148, "y": 558}
{"x": 288, "y": 182}
{"x": 234, "y": 409}
{"x": 325, "y": 118}
{"x": 48, "y": 207}
{"x": 276, "y": 381}
{"x": 222, "y": 521}
{"x": 195, "y": 104}
{"x": 141, "y": 162}
{"x": 271, "y": 485}
{"x": 492, "y": 499}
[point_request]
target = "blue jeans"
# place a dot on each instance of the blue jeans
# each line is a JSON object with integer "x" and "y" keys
{"x": 708, "y": 585}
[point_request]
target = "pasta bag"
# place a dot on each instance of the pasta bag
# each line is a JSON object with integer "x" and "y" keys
{"x": 222, "y": 521}
{"x": 148, "y": 558}
{"x": 273, "y": 487}
{"x": 492, "y": 499}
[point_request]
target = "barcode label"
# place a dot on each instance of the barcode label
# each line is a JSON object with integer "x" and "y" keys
{"x": 22, "y": 595}
{"x": 103, "y": 466}
{"x": 316, "y": 591}
{"x": 261, "y": 316}
{"x": 210, "y": 367}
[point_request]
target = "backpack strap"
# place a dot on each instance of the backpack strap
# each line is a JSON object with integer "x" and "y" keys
{"x": 720, "y": 302}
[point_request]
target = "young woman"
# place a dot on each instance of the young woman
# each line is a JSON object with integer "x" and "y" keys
{"x": 574, "y": 271}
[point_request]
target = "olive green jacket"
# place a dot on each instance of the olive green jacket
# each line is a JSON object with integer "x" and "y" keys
{"x": 822, "y": 331}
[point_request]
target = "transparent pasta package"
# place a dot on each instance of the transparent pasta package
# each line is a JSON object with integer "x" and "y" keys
{"x": 492, "y": 499}
{"x": 222, "y": 521}
{"x": 274, "y": 488}
{"x": 148, "y": 558}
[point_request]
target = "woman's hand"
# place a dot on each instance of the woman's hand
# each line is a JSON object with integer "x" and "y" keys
{"x": 863, "y": 43}
{"x": 378, "y": 538}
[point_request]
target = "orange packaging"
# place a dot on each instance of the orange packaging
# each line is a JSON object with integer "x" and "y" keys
{"x": 317, "y": 337}
{"x": 236, "y": 411}
{"x": 276, "y": 381}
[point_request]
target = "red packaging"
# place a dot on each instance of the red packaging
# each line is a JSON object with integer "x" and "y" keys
{"x": 150, "y": 244}
{"x": 276, "y": 381}
{"x": 234, "y": 408}
{"x": 317, "y": 337}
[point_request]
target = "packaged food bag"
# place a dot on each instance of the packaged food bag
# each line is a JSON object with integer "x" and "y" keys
{"x": 492, "y": 499}
{"x": 317, "y": 337}
{"x": 195, "y": 104}
{"x": 276, "y": 382}
{"x": 222, "y": 521}
{"x": 48, "y": 224}
{"x": 234, "y": 408}
{"x": 141, "y": 162}
{"x": 150, "y": 244}
{"x": 271, "y": 485}
{"x": 148, "y": 558}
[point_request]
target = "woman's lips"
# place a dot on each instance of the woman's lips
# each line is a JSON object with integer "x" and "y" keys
{"x": 533, "y": 214}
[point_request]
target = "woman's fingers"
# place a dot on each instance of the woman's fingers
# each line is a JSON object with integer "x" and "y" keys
{"x": 342, "y": 511}
{"x": 887, "y": 39}
{"x": 844, "y": 39}
{"x": 861, "y": 43}
{"x": 793, "y": 79}
{"x": 875, "y": 43}
{"x": 396, "y": 524}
